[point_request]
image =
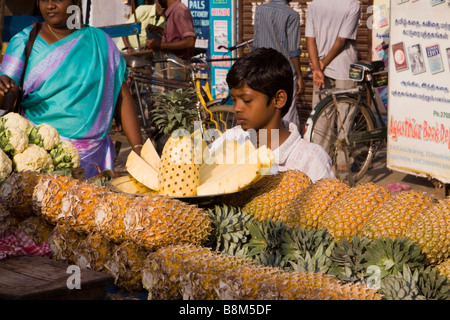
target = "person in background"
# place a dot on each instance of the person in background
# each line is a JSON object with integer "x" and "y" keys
{"x": 178, "y": 40}
{"x": 148, "y": 14}
{"x": 330, "y": 31}
{"x": 77, "y": 96}
{"x": 261, "y": 89}
{"x": 277, "y": 26}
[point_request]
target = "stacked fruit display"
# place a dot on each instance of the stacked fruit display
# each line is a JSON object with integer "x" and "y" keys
{"x": 276, "y": 236}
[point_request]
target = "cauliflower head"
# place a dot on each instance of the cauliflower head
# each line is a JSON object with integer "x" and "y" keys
{"x": 33, "y": 158}
{"x": 15, "y": 120}
{"x": 5, "y": 166}
{"x": 13, "y": 140}
{"x": 65, "y": 155}
{"x": 45, "y": 136}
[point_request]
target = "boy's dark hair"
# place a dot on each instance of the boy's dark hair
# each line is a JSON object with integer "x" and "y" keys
{"x": 265, "y": 70}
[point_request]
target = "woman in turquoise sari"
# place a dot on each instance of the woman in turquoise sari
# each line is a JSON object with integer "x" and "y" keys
{"x": 74, "y": 81}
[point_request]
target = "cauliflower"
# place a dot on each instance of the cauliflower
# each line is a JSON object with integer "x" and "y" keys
{"x": 33, "y": 158}
{"x": 45, "y": 136}
{"x": 15, "y": 120}
{"x": 65, "y": 155}
{"x": 5, "y": 166}
{"x": 13, "y": 140}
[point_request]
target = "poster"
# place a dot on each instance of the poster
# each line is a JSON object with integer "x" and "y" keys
{"x": 418, "y": 139}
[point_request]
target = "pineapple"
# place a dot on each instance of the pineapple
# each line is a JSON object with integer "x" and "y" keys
{"x": 155, "y": 220}
{"x": 394, "y": 215}
{"x": 93, "y": 252}
{"x": 125, "y": 265}
{"x": 174, "y": 114}
{"x": 16, "y": 192}
{"x": 348, "y": 214}
{"x": 37, "y": 228}
{"x": 193, "y": 272}
{"x": 444, "y": 268}
{"x": 268, "y": 197}
{"x": 64, "y": 243}
{"x": 178, "y": 175}
{"x": 308, "y": 208}
{"x": 430, "y": 230}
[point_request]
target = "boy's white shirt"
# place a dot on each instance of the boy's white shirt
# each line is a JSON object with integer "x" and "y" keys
{"x": 294, "y": 154}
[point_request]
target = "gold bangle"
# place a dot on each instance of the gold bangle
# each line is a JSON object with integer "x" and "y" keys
{"x": 136, "y": 146}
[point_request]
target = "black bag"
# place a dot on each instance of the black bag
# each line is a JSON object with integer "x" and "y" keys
{"x": 13, "y": 102}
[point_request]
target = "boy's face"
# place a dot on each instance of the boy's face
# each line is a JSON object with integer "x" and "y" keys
{"x": 253, "y": 111}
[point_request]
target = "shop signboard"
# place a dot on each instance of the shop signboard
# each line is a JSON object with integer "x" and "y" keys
{"x": 419, "y": 88}
{"x": 223, "y": 33}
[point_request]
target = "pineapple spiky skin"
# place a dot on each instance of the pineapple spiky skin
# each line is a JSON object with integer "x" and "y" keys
{"x": 394, "y": 215}
{"x": 192, "y": 272}
{"x": 16, "y": 192}
{"x": 37, "y": 228}
{"x": 268, "y": 197}
{"x": 154, "y": 221}
{"x": 179, "y": 175}
{"x": 307, "y": 210}
{"x": 430, "y": 230}
{"x": 444, "y": 268}
{"x": 348, "y": 214}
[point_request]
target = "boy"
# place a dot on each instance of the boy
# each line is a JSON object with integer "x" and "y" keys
{"x": 261, "y": 88}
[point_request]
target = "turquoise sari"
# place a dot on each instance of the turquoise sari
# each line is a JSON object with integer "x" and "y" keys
{"x": 73, "y": 85}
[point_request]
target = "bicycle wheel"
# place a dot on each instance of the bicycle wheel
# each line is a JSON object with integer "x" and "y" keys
{"x": 224, "y": 115}
{"x": 333, "y": 127}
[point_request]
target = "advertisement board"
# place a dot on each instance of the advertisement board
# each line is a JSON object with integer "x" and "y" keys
{"x": 419, "y": 88}
{"x": 223, "y": 33}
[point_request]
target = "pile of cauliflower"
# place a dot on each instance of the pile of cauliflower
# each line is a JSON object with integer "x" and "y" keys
{"x": 25, "y": 147}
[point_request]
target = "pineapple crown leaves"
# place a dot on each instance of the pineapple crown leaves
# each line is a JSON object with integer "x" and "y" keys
{"x": 265, "y": 242}
{"x": 319, "y": 261}
{"x": 229, "y": 229}
{"x": 348, "y": 258}
{"x": 300, "y": 241}
{"x": 174, "y": 109}
{"x": 432, "y": 285}
{"x": 401, "y": 286}
{"x": 390, "y": 255}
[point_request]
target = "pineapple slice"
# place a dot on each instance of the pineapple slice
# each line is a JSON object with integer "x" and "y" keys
{"x": 150, "y": 155}
{"x": 129, "y": 184}
{"x": 230, "y": 154}
{"x": 142, "y": 171}
{"x": 231, "y": 178}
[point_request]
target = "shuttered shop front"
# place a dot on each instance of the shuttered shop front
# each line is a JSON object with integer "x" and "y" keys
{"x": 246, "y": 11}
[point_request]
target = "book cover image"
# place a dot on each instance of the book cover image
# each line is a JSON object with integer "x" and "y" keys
{"x": 380, "y": 15}
{"x": 436, "y": 2}
{"x": 416, "y": 59}
{"x": 433, "y": 54}
{"x": 400, "y": 60}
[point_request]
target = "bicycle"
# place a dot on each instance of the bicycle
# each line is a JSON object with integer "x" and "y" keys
{"x": 344, "y": 124}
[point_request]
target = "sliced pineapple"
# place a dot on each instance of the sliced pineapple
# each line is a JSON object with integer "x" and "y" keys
{"x": 129, "y": 184}
{"x": 150, "y": 155}
{"x": 142, "y": 171}
{"x": 229, "y": 178}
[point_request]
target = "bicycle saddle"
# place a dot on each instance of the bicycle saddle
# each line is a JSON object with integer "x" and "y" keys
{"x": 370, "y": 66}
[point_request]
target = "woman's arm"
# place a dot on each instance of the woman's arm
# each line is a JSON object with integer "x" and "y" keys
{"x": 129, "y": 119}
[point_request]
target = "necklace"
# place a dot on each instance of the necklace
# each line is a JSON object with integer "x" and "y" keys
{"x": 50, "y": 28}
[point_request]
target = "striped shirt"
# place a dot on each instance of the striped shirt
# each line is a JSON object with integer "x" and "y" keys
{"x": 277, "y": 26}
